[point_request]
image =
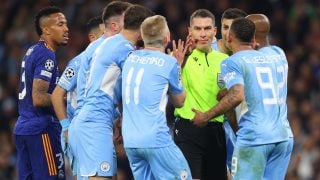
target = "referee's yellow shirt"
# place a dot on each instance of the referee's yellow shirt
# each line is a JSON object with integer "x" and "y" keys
{"x": 201, "y": 78}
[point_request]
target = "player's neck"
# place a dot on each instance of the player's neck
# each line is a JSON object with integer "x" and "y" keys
{"x": 263, "y": 44}
{"x": 48, "y": 44}
{"x": 242, "y": 46}
{"x": 131, "y": 35}
{"x": 222, "y": 48}
{"x": 154, "y": 48}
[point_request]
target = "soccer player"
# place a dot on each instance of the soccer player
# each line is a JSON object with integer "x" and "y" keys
{"x": 262, "y": 138}
{"x": 226, "y": 20}
{"x": 67, "y": 86}
{"x": 278, "y": 169}
{"x": 220, "y": 45}
{"x": 203, "y": 147}
{"x": 94, "y": 123}
{"x": 37, "y": 131}
{"x": 148, "y": 75}
{"x": 95, "y": 28}
{"x": 112, "y": 17}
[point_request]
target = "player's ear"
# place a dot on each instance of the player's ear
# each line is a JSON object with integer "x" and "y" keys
{"x": 45, "y": 30}
{"x": 167, "y": 38}
{"x": 255, "y": 44}
{"x": 91, "y": 37}
{"x": 114, "y": 26}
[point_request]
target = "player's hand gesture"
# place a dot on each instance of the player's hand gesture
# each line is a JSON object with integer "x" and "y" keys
{"x": 200, "y": 119}
{"x": 178, "y": 51}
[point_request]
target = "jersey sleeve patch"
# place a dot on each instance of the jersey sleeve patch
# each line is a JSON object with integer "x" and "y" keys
{"x": 69, "y": 73}
{"x": 49, "y": 65}
{"x": 46, "y": 73}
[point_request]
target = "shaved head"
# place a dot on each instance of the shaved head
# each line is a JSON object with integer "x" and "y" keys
{"x": 262, "y": 25}
{"x": 261, "y": 22}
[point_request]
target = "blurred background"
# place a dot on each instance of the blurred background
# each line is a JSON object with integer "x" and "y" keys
{"x": 295, "y": 26}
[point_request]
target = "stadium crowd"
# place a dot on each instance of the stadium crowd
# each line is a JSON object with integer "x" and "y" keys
{"x": 295, "y": 27}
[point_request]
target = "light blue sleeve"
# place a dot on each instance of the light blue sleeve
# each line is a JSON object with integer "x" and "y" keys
{"x": 175, "y": 83}
{"x": 68, "y": 79}
{"x": 231, "y": 73}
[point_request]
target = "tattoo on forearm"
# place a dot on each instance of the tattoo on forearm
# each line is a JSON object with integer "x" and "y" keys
{"x": 232, "y": 99}
{"x": 40, "y": 94}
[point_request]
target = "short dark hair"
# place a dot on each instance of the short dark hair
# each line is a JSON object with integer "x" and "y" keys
{"x": 244, "y": 29}
{"x": 93, "y": 23}
{"x": 43, "y": 13}
{"x": 202, "y": 13}
{"x": 135, "y": 15}
{"x": 114, "y": 8}
{"x": 233, "y": 13}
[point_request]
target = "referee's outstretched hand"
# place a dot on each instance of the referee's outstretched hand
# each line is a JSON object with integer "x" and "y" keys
{"x": 200, "y": 118}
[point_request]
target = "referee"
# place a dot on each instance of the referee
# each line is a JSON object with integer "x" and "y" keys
{"x": 203, "y": 147}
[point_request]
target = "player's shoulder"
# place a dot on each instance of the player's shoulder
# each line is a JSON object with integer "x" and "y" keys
{"x": 94, "y": 45}
{"x": 75, "y": 61}
{"x": 72, "y": 67}
{"x": 277, "y": 49}
{"x": 116, "y": 44}
{"x": 38, "y": 54}
{"x": 40, "y": 49}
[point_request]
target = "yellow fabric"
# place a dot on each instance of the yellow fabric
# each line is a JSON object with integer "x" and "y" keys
{"x": 201, "y": 75}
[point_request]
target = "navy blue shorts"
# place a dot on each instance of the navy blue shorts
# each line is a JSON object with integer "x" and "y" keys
{"x": 40, "y": 156}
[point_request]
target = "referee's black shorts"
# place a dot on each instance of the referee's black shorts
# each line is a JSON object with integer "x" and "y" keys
{"x": 203, "y": 147}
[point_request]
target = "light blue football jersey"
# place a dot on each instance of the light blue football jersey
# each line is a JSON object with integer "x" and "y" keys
{"x": 86, "y": 57}
{"x": 68, "y": 81}
{"x": 147, "y": 78}
{"x": 230, "y": 135}
{"x": 276, "y": 54}
{"x": 214, "y": 45}
{"x": 104, "y": 77}
{"x": 263, "y": 122}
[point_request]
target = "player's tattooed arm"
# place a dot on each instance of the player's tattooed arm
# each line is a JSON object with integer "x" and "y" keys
{"x": 233, "y": 98}
{"x": 40, "y": 95}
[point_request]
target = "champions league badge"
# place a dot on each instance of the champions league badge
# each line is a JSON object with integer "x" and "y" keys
{"x": 69, "y": 73}
{"x": 49, "y": 65}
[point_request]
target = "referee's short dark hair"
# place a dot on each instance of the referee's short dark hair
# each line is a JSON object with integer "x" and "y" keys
{"x": 202, "y": 13}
